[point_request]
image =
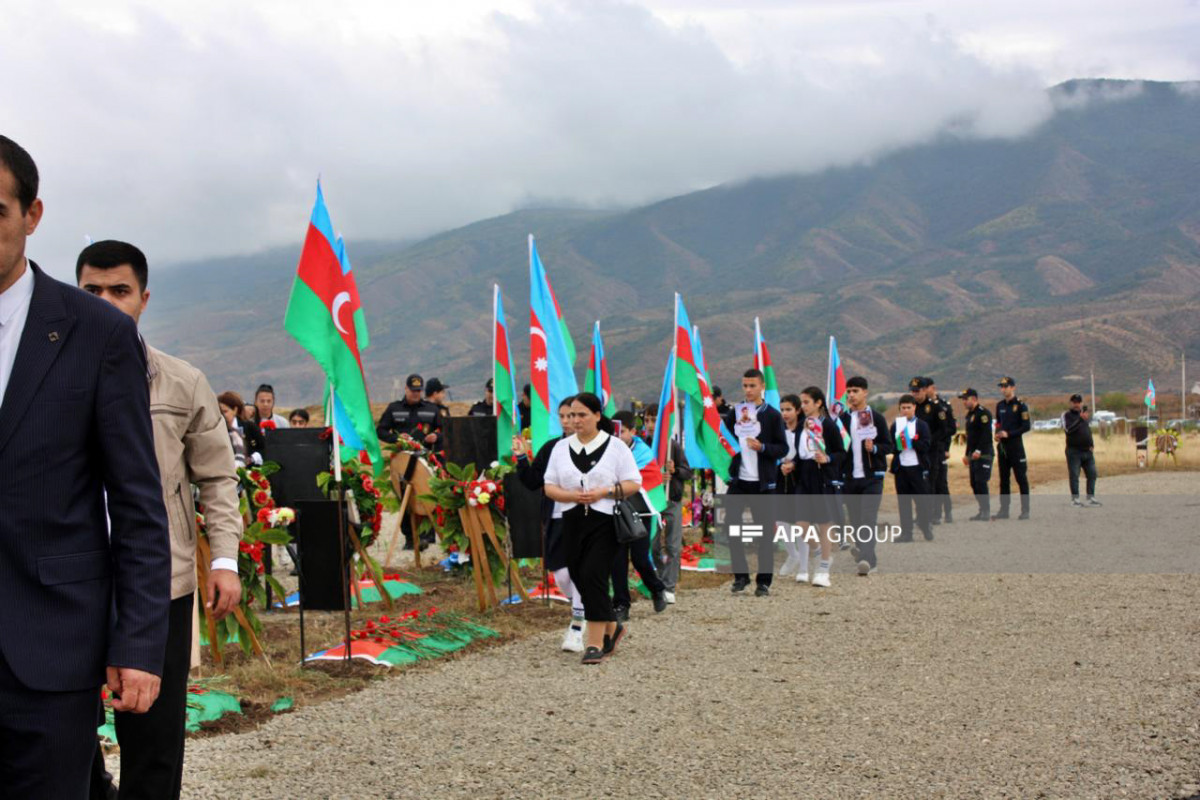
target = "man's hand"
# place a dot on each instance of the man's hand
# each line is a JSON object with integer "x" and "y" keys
{"x": 132, "y": 690}
{"x": 1001, "y": 435}
{"x": 518, "y": 446}
{"x": 966, "y": 461}
{"x": 787, "y": 467}
{"x": 755, "y": 444}
{"x": 976, "y": 455}
{"x": 821, "y": 458}
{"x": 430, "y": 438}
{"x": 869, "y": 445}
{"x": 670, "y": 466}
{"x": 224, "y": 592}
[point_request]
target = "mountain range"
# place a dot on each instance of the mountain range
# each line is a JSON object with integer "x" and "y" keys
{"x": 1073, "y": 247}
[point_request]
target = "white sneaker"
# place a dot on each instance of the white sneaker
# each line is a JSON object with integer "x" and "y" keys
{"x": 1076, "y": 502}
{"x": 573, "y": 640}
{"x": 802, "y": 577}
{"x": 821, "y": 579}
{"x": 1093, "y": 502}
{"x": 789, "y": 567}
{"x": 669, "y": 597}
{"x": 864, "y": 568}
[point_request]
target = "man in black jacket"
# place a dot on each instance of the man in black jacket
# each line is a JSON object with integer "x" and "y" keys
{"x": 754, "y": 470}
{"x": 486, "y": 406}
{"x": 1012, "y": 423}
{"x": 942, "y": 439}
{"x": 85, "y": 561}
{"x": 910, "y": 468}
{"x": 979, "y": 455}
{"x": 1077, "y": 426}
{"x": 865, "y": 466}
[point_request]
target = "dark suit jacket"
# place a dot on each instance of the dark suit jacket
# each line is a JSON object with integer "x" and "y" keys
{"x": 876, "y": 460}
{"x": 75, "y": 422}
{"x": 922, "y": 445}
{"x": 774, "y": 447}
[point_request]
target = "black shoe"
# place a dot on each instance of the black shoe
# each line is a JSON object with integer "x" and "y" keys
{"x": 660, "y": 602}
{"x": 905, "y": 538}
{"x": 928, "y": 536}
{"x": 622, "y": 613}
{"x": 593, "y": 655}
{"x": 739, "y": 585}
{"x": 762, "y": 590}
{"x": 408, "y": 544}
{"x": 1024, "y": 515}
{"x": 1001, "y": 515}
{"x": 949, "y": 520}
{"x": 980, "y": 517}
{"x": 935, "y": 522}
{"x": 611, "y": 642}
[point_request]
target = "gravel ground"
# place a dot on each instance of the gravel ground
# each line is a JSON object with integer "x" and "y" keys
{"x": 897, "y": 686}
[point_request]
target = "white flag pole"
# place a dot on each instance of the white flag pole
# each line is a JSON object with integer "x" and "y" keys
{"x": 337, "y": 455}
{"x": 676, "y": 428}
{"x": 495, "y": 322}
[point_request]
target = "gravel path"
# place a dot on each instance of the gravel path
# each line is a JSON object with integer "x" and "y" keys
{"x": 896, "y": 686}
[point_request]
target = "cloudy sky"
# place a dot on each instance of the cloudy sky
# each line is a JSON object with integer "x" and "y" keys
{"x": 199, "y": 129}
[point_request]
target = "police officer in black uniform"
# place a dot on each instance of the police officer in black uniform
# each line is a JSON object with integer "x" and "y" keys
{"x": 486, "y": 406}
{"x": 928, "y": 412}
{"x": 941, "y": 487}
{"x": 413, "y": 415}
{"x": 980, "y": 454}
{"x": 1012, "y": 423}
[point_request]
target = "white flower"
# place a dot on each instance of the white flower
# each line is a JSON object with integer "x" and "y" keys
{"x": 471, "y": 501}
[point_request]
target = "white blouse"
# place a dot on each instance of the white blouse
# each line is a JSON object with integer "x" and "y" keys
{"x": 615, "y": 465}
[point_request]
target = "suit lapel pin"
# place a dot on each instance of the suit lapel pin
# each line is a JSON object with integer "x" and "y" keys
{"x": 54, "y": 336}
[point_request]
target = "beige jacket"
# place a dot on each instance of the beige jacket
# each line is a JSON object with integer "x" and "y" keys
{"x": 191, "y": 440}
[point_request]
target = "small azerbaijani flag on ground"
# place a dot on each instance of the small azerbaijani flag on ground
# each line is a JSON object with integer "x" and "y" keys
{"x": 835, "y": 391}
{"x": 762, "y": 362}
{"x": 324, "y": 299}
{"x": 551, "y": 354}
{"x": 1150, "y": 398}
{"x": 691, "y": 382}
{"x": 504, "y": 383}
{"x": 596, "y": 380}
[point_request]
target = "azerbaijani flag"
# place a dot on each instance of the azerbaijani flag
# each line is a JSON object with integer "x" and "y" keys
{"x": 904, "y": 439}
{"x": 651, "y": 468}
{"x": 695, "y": 456}
{"x": 762, "y": 362}
{"x": 1150, "y": 395}
{"x": 325, "y": 316}
{"x": 551, "y": 354}
{"x": 504, "y": 384}
{"x": 334, "y": 408}
{"x": 835, "y": 391}
{"x": 692, "y": 383}
{"x": 596, "y": 380}
{"x": 664, "y": 426}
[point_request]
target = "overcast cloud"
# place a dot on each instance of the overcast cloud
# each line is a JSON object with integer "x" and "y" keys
{"x": 199, "y": 131}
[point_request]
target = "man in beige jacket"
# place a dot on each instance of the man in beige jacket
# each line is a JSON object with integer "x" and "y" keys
{"x": 191, "y": 442}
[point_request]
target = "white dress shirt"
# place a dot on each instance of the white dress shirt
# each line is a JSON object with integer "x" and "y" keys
{"x": 14, "y": 308}
{"x": 908, "y": 456}
{"x": 856, "y": 447}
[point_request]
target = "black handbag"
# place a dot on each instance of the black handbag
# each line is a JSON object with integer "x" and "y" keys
{"x": 626, "y": 523}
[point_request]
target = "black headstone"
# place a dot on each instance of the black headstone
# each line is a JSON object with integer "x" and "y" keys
{"x": 470, "y": 440}
{"x": 301, "y": 454}
{"x": 320, "y": 557}
{"x": 524, "y": 511}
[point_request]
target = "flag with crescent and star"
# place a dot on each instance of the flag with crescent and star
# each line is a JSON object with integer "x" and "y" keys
{"x": 551, "y": 354}
{"x": 325, "y": 316}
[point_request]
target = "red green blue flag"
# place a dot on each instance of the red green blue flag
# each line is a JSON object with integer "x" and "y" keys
{"x": 504, "y": 383}
{"x": 551, "y": 354}
{"x": 693, "y": 385}
{"x": 1150, "y": 395}
{"x": 835, "y": 391}
{"x": 696, "y": 458}
{"x": 664, "y": 426}
{"x": 325, "y": 316}
{"x": 596, "y": 380}
{"x": 762, "y": 362}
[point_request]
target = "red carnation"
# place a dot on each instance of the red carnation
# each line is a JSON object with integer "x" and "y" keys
{"x": 260, "y": 498}
{"x": 267, "y": 425}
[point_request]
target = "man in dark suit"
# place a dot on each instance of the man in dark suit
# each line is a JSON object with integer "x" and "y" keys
{"x": 864, "y": 467}
{"x": 910, "y": 468}
{"x": 754, "y": 470}
{"x": 103, "y": 592}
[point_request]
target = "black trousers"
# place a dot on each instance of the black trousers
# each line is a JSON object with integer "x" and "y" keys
{"x": 152, "y": 743}
{"x": 1011, "y": 461}
{"x": 47, "y": 740}
{"x": 862, "y": 497}
{"x": 936, "y": 467}
{"x": 737, "y": 550}
{"x": 940, "y": 482}
{"x": 912, "y": 488}
{"x": 981, "y": 473}
{"x": 1078, "y": 458}
{"x": 639, "y": 551}
{"x": 591, "y": 549}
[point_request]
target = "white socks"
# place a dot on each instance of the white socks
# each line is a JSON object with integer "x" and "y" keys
{"x": 562, "y": 577}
